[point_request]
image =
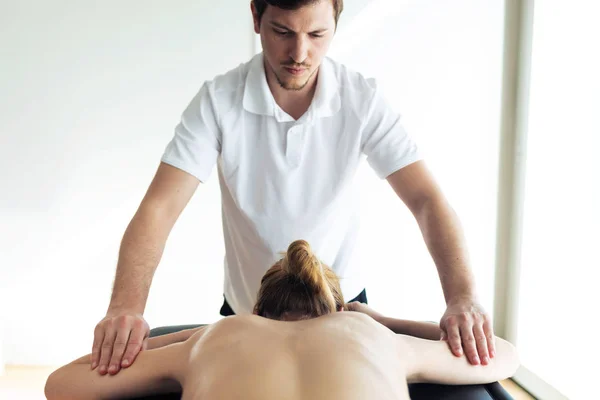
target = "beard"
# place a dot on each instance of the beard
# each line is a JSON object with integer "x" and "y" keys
{"x": 295, "y": 84}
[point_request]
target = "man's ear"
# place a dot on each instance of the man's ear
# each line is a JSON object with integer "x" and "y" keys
{"x": 255, "y": 17}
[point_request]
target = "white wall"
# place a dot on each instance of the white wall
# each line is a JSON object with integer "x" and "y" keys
{"x": 90, "y": 93}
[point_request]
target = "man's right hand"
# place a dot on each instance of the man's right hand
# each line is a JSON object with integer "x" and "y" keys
{"x": 118, "y": 339}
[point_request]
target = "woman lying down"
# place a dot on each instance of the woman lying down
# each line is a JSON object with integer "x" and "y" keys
{"x": 299, "y": 345}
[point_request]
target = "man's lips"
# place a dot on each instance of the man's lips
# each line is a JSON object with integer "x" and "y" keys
{"x": 295, "y": 71}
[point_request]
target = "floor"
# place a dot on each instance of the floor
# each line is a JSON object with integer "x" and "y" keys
{"x": 27, "y": 383}
{"x": 516, "y": 391}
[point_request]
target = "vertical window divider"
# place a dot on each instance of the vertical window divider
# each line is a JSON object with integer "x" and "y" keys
{"x": 518, "y": 38}
{"x": 518, "y": 34}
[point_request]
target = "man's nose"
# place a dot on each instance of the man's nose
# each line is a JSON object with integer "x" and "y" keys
{"x": 299, "y": 49}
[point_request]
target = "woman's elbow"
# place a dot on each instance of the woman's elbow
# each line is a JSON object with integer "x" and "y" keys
{"x": 514, "y": 357}
{"x": 509, "y": 355}
{"x": 52, "y": 387}
{"x": 59, "y": 385}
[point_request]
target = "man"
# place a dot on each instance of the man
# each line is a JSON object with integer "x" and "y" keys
{"x": 288, "y": 130}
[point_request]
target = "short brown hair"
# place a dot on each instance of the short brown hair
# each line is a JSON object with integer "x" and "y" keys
{"x": 299, "y": 284}
{"x": 261, "y": 6}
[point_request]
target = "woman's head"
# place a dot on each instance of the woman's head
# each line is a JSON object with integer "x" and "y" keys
{"x": 298, "y": 286}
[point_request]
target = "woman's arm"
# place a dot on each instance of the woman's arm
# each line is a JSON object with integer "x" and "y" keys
{"x": 425, "y": 330}
{"x": 170, "y": 338}
{"x": 431, "y": 362}
{"x": 154, "y": 371}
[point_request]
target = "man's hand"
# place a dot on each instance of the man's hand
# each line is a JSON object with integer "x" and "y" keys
{"x": 467, "y": 327}
{"x": 118, "y": 339}
{"x": 365, "y": 309}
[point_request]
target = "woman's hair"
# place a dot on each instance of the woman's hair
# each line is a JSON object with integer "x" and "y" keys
{"x": 298, "y": 286}
{"x": 261, "y": 6}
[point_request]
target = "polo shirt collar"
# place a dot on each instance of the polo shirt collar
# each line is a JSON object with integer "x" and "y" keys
{"x": 258, "y": 98}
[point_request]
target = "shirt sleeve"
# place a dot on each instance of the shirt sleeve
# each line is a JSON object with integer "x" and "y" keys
{"x": 385, "y": 142}
{"x": 196, "y": 144}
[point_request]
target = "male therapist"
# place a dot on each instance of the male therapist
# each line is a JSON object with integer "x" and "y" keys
{"x": 287, "y": 131}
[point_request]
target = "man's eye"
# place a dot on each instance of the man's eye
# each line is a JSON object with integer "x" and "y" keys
{"x": 316, "y": 35}
{"x": 282, "y": 33}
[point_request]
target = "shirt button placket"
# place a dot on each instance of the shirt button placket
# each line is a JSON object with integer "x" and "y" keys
{"x": 294, "y": 145}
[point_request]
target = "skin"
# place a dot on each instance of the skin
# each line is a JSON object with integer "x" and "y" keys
{"x": 345, "y": 355}
{"x": 297, "y": 38}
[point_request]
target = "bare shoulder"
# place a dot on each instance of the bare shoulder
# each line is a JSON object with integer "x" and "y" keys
{"x": 248, "y": 325}
{"x": 358, "y": 316}
{"x": 239, "y": 322}
{"x": 364, "y": 320}
{"x": 351, "y": 325}
{"x": 227, "y": 326}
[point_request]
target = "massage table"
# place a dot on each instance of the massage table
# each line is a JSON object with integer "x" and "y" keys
{"x": 418, "y": 391}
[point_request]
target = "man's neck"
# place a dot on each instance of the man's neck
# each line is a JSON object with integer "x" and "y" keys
{"x": 293, "y": 102}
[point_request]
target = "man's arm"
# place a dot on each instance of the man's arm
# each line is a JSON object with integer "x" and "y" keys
{"x": 431, "y": 362}
{"x": 439, "y": 225}
{"x": 155, "y": 372}
{"x": 123, "y": 330}
{"x": 145, "y": 238}
{"x": 464, "y": 323}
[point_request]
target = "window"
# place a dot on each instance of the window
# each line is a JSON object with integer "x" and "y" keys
{"x": 557, "y": 322}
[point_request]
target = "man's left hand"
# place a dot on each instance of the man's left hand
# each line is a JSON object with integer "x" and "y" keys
{"x": 467, "y": 327}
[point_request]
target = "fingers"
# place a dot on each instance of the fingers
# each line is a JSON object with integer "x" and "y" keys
{"x": 137, "y": 341}
{"x": 453, "y": 335}
{"x": 481, "y": 343}
{"x": 121, "y": 339}
{"x": 97, "y": 346}
{"x": 107, "y": 347}
{"x": 468, "y": 340}
{"x": 488, "y": 331}
{"x": 469, "y": 329}
{"x": 117, "y": 342}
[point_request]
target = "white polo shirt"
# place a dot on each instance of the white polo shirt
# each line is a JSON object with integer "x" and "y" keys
{"x": 283, "y": 179}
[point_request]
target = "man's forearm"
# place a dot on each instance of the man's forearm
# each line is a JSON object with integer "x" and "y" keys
{"x": 445, "y": 241}
{"x": 141, "y": 250}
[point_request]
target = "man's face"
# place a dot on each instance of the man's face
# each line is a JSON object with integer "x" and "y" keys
{"x": 295, "y": 41}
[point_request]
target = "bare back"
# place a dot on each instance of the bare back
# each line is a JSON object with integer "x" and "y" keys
{"x": 342, "y": 355}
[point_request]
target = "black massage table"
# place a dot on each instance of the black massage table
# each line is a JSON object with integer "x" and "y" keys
{"x": 419, "y": 391}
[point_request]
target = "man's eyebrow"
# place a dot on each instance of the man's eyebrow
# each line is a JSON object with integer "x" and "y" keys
{"x": 281, "y": 26}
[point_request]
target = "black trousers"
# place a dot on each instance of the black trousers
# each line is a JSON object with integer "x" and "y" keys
{"x": 227, "y": 311}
